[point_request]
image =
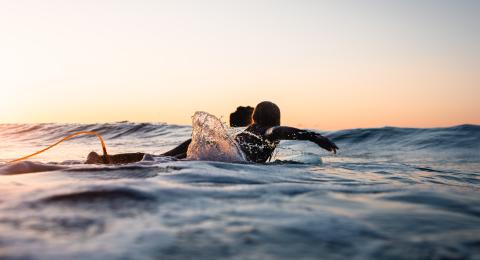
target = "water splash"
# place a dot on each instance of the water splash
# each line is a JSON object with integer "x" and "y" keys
{"x": 211, "y": 141}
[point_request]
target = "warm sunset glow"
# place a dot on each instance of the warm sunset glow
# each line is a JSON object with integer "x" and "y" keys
{"x": 329, "y": 65}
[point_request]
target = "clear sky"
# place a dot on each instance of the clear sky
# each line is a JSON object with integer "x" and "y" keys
{"x": 327, "y": 64}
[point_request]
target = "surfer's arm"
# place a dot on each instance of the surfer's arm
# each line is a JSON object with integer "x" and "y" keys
{"x": 291, "y": 133}
{"x": 180, "y": 152}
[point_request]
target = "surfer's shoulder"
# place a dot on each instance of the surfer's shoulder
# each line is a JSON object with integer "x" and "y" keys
{"x": 270, "y": 130}
{"x": 258, "y": 130}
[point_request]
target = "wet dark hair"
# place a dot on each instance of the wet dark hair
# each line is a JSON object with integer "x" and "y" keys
{"x": 266, "y": 113}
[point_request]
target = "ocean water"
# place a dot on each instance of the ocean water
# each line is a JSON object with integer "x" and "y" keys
{"x": 390, "y": 193}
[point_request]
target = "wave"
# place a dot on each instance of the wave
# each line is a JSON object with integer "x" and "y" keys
{"x": 92, "y": 195}
{"x": 462, "y": 141}
{"x": 52, "y": 131}
{"x": 463, "y": 136}
{"x": 28, "y": 167}
{"x": 456, "y": 137}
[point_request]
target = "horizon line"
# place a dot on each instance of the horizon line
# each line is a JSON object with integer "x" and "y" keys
{"x": 177, "y": 124}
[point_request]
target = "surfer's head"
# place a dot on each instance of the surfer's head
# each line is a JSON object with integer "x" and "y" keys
{"x": 266, "y": 113}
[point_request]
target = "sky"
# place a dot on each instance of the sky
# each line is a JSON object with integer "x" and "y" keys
{"x": 327, "y": 64}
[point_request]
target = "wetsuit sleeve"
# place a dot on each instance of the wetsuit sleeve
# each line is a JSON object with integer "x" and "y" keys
{"x": 291, "y": 133}
{"x": 180, "y": 151}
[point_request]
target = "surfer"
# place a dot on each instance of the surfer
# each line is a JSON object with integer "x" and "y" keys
{"x": 261, "y": 138}
{"x": 257, "y": 141}
{"x": 241, "y": 117}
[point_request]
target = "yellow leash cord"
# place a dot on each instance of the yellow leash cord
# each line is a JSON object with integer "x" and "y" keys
{"x": 104, "y": 148}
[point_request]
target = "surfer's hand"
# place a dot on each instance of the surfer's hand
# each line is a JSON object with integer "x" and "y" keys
{"x": 325, "y": 143}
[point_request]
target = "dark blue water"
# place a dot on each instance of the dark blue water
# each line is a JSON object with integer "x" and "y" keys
{"x": 390, "y": 193}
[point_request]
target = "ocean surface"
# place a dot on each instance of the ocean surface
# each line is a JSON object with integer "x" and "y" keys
{"x": 390, "y": 193}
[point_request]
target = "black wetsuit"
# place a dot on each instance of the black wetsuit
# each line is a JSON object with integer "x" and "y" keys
{"x": 255, "y": 144}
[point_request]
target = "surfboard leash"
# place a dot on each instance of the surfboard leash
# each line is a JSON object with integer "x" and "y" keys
{"x": 105, "y": 156}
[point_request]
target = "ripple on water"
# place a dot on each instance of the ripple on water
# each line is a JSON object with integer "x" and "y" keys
{"x": 120, "y": 201}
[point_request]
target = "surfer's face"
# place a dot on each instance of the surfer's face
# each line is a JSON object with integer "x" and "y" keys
{"x": 267, "y": 113}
